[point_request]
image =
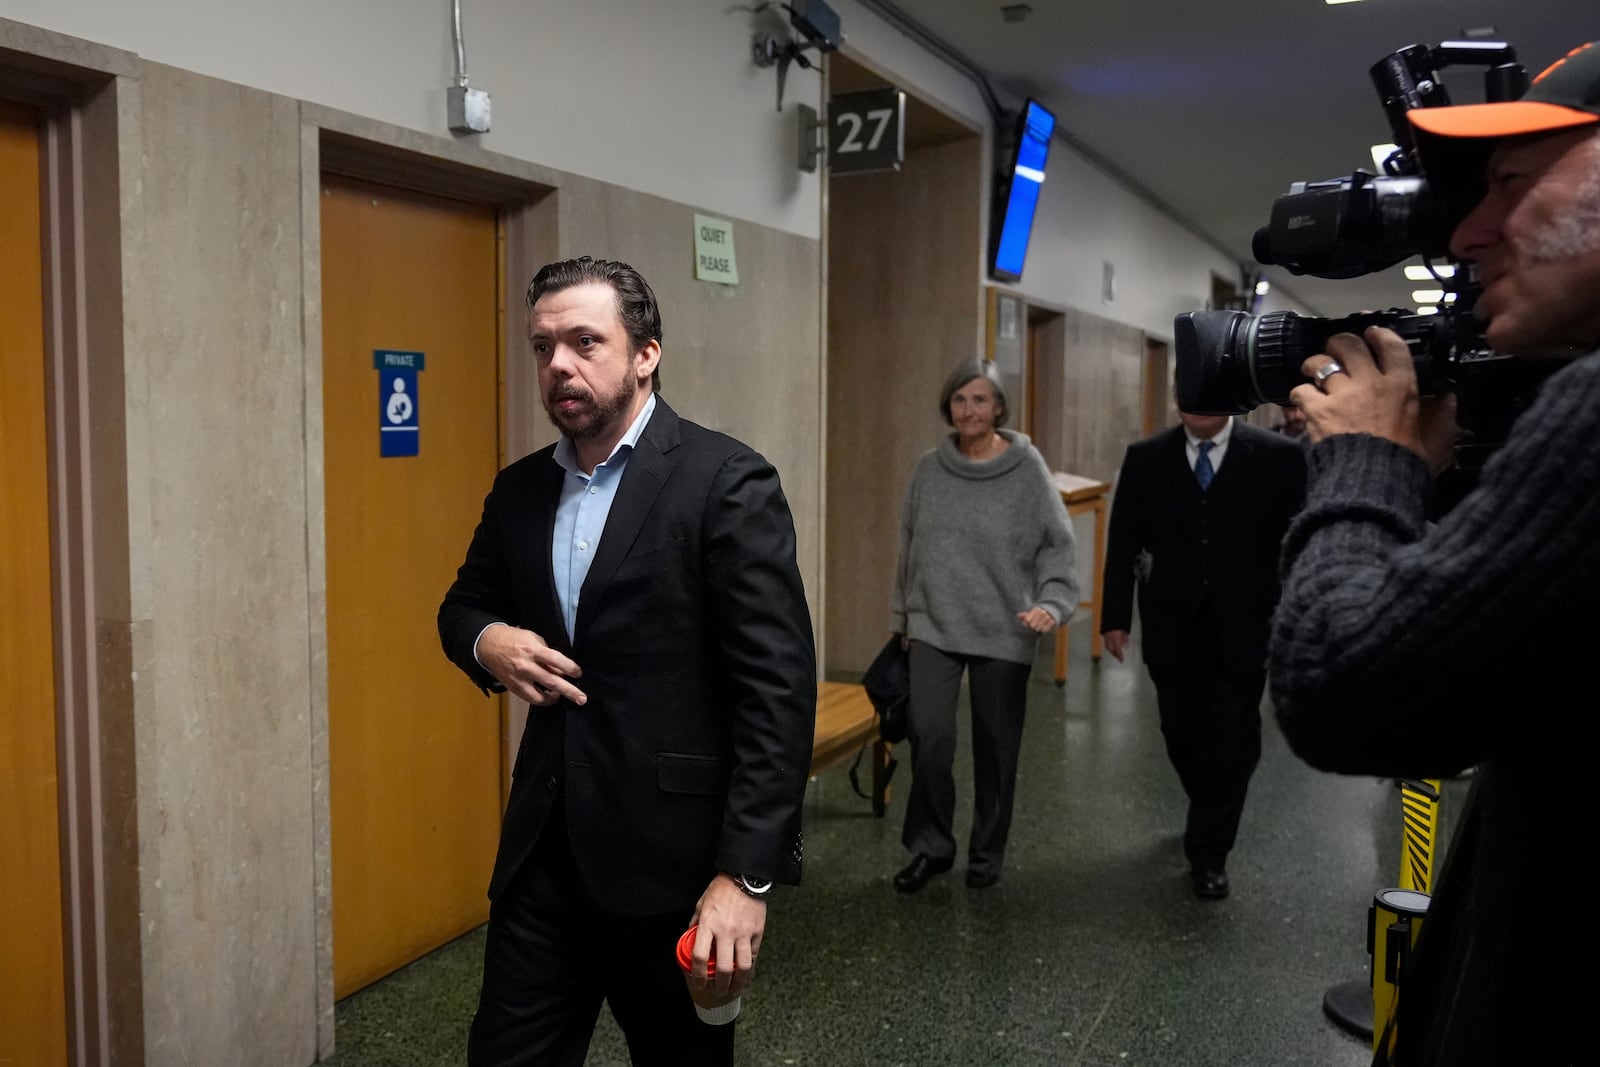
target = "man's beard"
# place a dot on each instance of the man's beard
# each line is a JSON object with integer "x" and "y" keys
{"x": 595, "y": 414}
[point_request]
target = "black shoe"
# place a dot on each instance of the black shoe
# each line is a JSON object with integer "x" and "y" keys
{"x": 981, "y": 879}
{"x": 1210, "y": 883}
{"x": 915, "y": 875}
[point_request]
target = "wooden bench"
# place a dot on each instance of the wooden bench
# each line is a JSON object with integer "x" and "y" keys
{"x": 846, "y": 720}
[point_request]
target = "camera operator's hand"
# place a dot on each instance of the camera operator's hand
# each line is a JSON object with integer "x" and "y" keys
{"x": 1375, "y": 392}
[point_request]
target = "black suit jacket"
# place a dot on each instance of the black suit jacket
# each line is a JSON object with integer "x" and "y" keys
{"x": 692, "y": 753}
{"x": 1186, "y": 549}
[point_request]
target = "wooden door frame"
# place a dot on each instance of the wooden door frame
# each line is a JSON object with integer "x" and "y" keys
{"x": 524, "y": 199}
{"x": 88, "y": 109}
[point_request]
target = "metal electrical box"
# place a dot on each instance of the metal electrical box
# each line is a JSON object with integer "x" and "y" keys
{"x": 469, "y": 109}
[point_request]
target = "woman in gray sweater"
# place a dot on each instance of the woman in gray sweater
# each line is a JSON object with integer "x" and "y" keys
{"x": 986, "y": 566}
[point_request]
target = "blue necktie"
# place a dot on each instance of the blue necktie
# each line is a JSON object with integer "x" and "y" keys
{"x": 1202, "y": 466}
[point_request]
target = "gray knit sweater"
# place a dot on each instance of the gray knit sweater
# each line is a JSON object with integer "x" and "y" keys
{"x": 980, "y": 541}
{"x": 1405, "y": 650}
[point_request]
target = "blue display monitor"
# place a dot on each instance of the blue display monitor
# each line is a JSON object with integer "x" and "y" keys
{"x": 1018, "y": 196}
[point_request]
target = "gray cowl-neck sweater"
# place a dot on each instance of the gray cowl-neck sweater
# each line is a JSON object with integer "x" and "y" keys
{"x": 980, "y": 541}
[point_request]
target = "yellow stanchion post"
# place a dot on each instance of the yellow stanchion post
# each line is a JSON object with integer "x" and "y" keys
{"x": 1394, "y": 919}
{"x": 1393, "y": 923}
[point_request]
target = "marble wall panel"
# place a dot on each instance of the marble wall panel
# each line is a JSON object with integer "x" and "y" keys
{"x": 214, "y": 372}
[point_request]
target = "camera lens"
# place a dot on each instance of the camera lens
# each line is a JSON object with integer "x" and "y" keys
{"x": 1206, "y": 347}
{"x": 1230, "y": 362}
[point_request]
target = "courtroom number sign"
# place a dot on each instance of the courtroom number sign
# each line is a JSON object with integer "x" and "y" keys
{"x": 866, "y": 131}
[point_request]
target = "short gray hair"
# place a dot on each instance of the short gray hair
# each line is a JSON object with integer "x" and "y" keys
{"x": 968, "y": 370}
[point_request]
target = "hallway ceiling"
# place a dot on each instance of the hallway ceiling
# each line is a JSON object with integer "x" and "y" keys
{"x": 1215, "y": 108}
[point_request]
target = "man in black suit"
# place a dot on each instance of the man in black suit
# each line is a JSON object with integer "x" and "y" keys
{"x": 636, "y": 584}
{"x": 1198, "y": 516}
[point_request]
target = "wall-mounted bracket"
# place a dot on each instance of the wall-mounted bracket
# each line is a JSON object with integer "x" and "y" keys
{"x": 811, "y": 147}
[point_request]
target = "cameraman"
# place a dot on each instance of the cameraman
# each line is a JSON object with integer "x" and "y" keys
{"x": 1408, "y": 650}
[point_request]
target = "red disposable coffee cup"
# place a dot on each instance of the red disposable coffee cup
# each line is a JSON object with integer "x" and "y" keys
{"x": 712, "y": 1007}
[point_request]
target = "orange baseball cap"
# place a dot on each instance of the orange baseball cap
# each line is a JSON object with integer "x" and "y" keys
{"x": 1564, "y": 95}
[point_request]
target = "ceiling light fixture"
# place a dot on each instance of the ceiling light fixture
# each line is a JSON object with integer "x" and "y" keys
{"x": 1332, "y": 3}
{"x": 1428, "y": 296}
{"x": 1381, "y": 152}
{"x": 1423, "y": 274}
{"x": 1427, "y": 309}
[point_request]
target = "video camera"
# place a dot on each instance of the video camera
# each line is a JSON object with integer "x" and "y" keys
{"x": 1229, "y": 362}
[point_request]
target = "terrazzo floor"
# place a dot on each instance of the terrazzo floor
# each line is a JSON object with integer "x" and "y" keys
{"x": 1091, "y": 950}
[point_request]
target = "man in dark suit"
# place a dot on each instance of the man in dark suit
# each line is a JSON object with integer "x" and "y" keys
{"x": 636, "y": 584}
{"x": 1199, "y": 513}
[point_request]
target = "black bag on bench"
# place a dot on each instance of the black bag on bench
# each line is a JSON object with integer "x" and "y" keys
{"x": 888, "y": 686}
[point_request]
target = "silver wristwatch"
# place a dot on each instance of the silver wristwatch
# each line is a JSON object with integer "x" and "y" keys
{"x": 751, "y": 887}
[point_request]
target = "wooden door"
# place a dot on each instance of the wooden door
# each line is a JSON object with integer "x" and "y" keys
{"x": 414, "y": 749}
{"x": 33, "y": 1014}
{"x": 1155, "y": 412}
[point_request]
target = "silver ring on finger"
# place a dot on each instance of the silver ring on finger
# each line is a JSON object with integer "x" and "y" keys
{"x": 1328, "y": 370}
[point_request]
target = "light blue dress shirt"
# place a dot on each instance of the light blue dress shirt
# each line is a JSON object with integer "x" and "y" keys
{"x": 581, "y": 514}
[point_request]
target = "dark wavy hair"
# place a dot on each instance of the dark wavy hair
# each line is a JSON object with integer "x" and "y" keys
{"x": 636, "y": 303}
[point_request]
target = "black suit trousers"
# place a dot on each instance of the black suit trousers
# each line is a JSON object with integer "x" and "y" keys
{"x": 552, "y": 956}
{"x": 1211, "y": 722}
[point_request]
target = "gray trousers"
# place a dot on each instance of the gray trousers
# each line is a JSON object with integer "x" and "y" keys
{"x": 999, "y": 690}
